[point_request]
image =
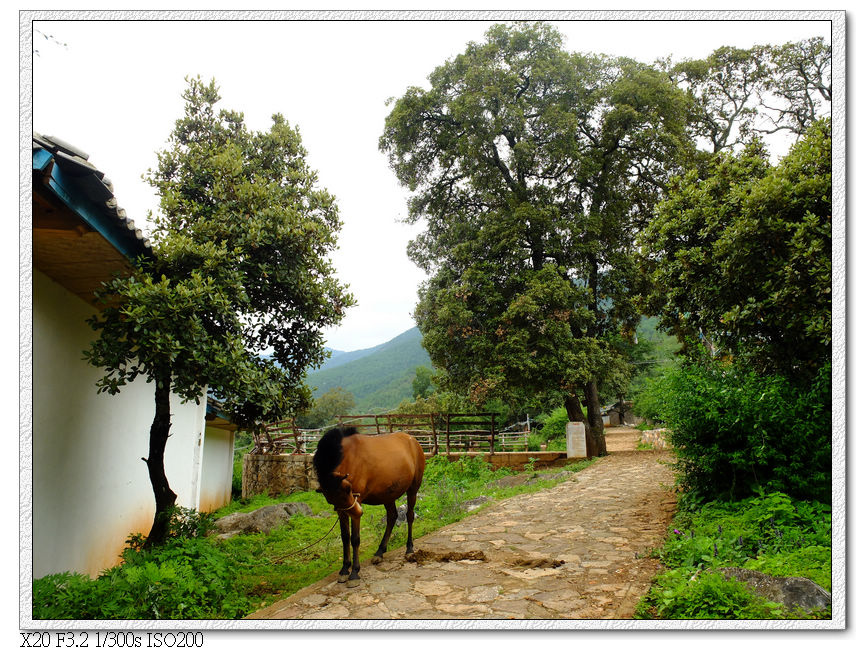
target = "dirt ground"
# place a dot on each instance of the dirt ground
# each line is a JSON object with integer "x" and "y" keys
{"x": 577, "y": 550}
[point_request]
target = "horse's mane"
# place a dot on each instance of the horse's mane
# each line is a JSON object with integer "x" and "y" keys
{"x": 328, "y": 455}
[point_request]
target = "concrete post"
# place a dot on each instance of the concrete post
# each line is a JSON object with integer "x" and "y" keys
{"x": 575, "y": 433}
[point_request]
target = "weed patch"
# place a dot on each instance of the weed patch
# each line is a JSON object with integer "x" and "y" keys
{"x": 773, "y": 534}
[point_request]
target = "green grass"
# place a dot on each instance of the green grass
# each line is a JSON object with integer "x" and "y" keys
{"x": 197, "y": 577}
{"x": 773, "y": 534}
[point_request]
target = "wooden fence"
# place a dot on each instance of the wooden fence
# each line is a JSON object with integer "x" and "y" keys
{"x": 436, "y": 433}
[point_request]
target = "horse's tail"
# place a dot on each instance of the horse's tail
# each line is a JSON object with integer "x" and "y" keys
{"x": 328, "y": 454}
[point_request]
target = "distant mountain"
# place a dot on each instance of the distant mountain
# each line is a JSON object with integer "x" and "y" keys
{"x": 379, "y": 377}
{"x": 339, "y": 357}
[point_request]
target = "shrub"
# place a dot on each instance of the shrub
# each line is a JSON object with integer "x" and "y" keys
{"x": 708, "y": 595}
{"x": 746, "y": 532}
{"x": 736, "y": 432}
{"x": 185, "y": 578}
{"x": 554, "y": 424}
{"x": 182, "y": 523}
{"x": 535, "y": 441}
{"x": 650, "y": 402}
{"x": 461, "y": 472}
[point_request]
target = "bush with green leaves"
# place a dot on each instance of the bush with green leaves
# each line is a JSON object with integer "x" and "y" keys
{"x": 736, "y": 433}
{"x": 462, "y": 472}
{"x": 554, "y": 424}
{"x": 650, "y": 400}
{"x": 773, "y": 534}
{"x": 707, "y": 596}
{"x": 186, "y": 578}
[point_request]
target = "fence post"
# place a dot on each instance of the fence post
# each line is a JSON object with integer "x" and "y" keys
{"x": 492, "y": 434}
{"x": 432, "y": 424}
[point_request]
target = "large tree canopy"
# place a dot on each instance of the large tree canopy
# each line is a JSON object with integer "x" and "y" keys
{"x": 240, "y": 267}
{"x": 742, "y": 258}
{"x": 532, "y": 168}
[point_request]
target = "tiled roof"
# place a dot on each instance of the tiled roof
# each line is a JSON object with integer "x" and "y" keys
{"x": 92, "y": 184}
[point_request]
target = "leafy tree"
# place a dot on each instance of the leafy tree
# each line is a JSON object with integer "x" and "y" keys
{"x": 799, "y": 85}
{"x": 240, "y": 266}
{"x": 422, "y": 385}
{"x": 653, "y": 351}
{"x": 437, "y": 402}
{"x": 742, "y": 258}
{"x": 735, "y": 94}
{"x": 533, "y": 169}
{"x": 332, "y": 403}
{"x": 724, "y": 92}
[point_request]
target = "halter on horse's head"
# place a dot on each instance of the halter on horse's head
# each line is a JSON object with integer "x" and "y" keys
{"x": 344, "y": 499}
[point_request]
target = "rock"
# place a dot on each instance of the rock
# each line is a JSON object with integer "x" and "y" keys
{"x": 400, "y": 516}
{"x": 790, "y": 592}
{"x": 509, "y": 481}
{"x": 262, "y": 520}
{"x": 474, "y": 504}
{"x": 561, "y": 476}
{"x": 519, "y": 479}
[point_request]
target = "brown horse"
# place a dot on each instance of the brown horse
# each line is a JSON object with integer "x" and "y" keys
{"x": 354, "y": 469}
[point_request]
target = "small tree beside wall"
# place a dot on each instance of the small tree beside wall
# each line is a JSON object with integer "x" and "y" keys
{"x": 240, "y": 286}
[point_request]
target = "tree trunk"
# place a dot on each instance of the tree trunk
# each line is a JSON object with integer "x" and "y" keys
{"x": 596, "y": 443}
{"x": 574, "y": 409}
{"x": 162, "y": 492}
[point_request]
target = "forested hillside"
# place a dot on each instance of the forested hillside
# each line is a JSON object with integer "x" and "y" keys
{"x": 379, "y": 377}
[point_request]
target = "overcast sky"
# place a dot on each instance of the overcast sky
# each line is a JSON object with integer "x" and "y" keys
{"x": 113, "y": 89}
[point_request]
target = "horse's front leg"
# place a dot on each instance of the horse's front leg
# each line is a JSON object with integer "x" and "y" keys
{"x": 390, "y": 509}
{"x": 346, "y": 562}
{"x": 354, "y": 578}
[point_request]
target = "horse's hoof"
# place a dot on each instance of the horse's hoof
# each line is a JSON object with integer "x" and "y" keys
{"x": 342, "y": 578}
{"x": 353, "y": 582}
{"x": 376, "y": 559}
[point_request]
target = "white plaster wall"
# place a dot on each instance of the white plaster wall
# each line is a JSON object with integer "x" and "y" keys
{"x": 90, "y": 487}
{"x": 216, "y": 469}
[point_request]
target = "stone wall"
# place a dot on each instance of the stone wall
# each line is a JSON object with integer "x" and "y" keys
{"x": 513, "y": 459}
{"x": 275, "y": 474}
{"x": 655, "y": 437}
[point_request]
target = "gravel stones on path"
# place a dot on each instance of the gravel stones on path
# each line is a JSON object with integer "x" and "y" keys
{"x": 573, "y": 551}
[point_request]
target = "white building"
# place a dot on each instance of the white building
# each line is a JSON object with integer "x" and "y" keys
{"x": 90, "y": 487}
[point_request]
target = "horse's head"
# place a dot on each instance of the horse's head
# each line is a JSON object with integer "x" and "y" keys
{"x": 343, "y": 499}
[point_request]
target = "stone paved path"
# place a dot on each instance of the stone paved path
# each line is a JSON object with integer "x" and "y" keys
{"x": 573, "y": 551}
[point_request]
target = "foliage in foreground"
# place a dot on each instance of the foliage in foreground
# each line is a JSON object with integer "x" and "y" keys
{"x": 773, "y": 534}
{"x": 194, "y": 576}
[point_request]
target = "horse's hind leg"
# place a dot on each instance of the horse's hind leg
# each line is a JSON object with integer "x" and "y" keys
{"x": 411, "y": 497}
{"x": 390, "y": 508}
